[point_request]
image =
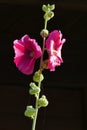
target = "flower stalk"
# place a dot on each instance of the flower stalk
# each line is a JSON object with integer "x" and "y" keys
{"x": 44, "y": 34}
{"x": 36, "y": 107}
{"x": 39, "y": 84}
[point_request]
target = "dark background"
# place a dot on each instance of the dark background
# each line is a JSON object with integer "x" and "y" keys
{"x": 66, "y": 88}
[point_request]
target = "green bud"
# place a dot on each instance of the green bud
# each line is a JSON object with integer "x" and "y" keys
{"x": 44, "y": 33}
{"x": 33, "y": 85}
{"x": 30, "y": 112}
{"x": 42, "y": 102}
{"x": 34, "y": 89}
{"x": 49, "y": 15}
{"x": 38, "y": 76}
{"x": 44, "y": 8}
{"x": 52, "y": 7}
{"x": 48, "y": 7}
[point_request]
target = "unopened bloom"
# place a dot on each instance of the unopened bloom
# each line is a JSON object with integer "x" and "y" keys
{"x": 27, "y": 51}
{"x": 54, "y": 45}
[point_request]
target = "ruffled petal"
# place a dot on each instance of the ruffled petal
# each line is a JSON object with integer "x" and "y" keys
{"x": 26, "y": 52}
{"x": 25, "y": 65}
{"x": 18, "y": 48}
{"x": 54, "y": 45}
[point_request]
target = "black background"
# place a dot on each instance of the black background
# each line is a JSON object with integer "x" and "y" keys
{"x": 66, "y": 88}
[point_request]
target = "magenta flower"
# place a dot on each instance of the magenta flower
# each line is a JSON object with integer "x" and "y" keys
{"x": 26, "y": 52}
{"x": 54, "y": 45}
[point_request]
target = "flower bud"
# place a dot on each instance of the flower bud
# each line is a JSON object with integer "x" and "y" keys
{"x": 52, "y": 7}
{"x": 30, "y": 112}
{"x": 44, "y": 33}
{"x": 42, "y": 102}
{"x": 48, "y": 7}
{"x": 34, "y": 89}
{"x": 48, "y": 15}
{"x": 44, "y": 8}
{"x": 38, "y": 76}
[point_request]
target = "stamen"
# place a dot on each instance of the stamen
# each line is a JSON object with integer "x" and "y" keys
{"x": 55, "y": 52}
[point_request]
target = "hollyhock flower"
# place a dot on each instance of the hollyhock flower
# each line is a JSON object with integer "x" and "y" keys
{"x": 54, "y": 45}
{"x": 26, "y": 52}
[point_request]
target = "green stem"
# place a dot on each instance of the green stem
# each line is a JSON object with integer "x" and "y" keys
{"x": 41, "y": 61}
{"x": 45, "y": 25}
{"x": 39, "y": 84}
{"x": 36, "y": 107}
{"x": 34, "y": 120}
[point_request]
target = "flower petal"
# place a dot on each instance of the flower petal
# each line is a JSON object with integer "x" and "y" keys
{"x": 54, "y": 45}
{"x": 26, "y": 52}
{"x": 18, "y": 48}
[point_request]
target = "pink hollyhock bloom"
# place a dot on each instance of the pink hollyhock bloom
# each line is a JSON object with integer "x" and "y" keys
{"x": 54, "y": 45}
{"x": 26, "y": 52}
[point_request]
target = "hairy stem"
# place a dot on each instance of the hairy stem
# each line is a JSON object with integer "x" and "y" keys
{"x": 36, "y": 107}
{"x": 43, "y": 47}
{"x": 39, "y": 84}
